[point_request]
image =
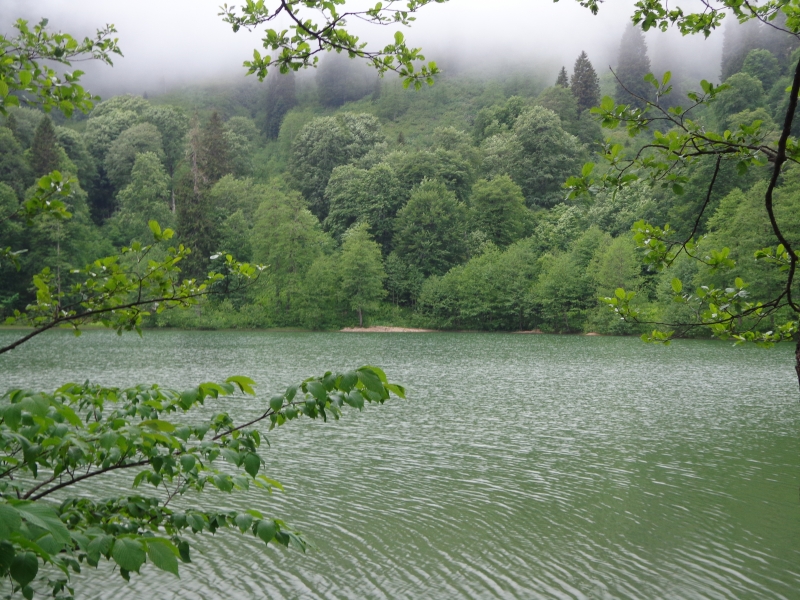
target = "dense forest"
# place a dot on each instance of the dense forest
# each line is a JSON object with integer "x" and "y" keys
{"x": 370, "y": 203}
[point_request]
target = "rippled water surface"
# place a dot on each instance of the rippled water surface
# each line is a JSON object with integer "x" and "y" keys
{"x": 519, "y": 467}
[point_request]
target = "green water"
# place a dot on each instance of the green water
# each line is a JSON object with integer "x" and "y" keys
{"x": 519, "y": 467}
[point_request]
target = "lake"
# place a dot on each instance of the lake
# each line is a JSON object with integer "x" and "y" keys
{"x": 520, "y": 466}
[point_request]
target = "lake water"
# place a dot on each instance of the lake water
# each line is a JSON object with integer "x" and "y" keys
{"x": 520, "y": 466}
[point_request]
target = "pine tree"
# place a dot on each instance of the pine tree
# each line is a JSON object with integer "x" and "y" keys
{"x": 44, "y": 149}
{"x": 195, "y": 221}
{"x": 585, "y": 85}
{"x": 279, "y": 99}
{"x": 562, "y": 80}
{"x": 214, "y": 154}
{"x": 632, "y": 66}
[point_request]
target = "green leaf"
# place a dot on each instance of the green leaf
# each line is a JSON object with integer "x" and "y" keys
{"x": 158, "y": 425}
{"x": 24, "y": 568}
{"x": 348, "y": 381}
{"x": 252, "y": 463}
{"x": 677, "y": 285}
{"x": 620, "y": 293}
{"x": 154, "y": 227}
{"x": 316, "y": 389}
{"x": 10, "y": 521}
{"x": 371, "y": 381}
{"x": 266, "y": 530}
{"x": 164, "y": 555}
{"x": 12, "y": 414}
{"x": 276, "y": 403}
{"x": 245, "y": 384}
{"x": 188, "y": 462}
{"x": 41, "y": 515}
{"x": 243, "y": 521}
{"x": 128, "y": 554}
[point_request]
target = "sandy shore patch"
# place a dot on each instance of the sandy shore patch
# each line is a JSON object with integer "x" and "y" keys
{"x": 384, "y": 329}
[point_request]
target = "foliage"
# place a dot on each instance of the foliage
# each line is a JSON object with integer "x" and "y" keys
{"x": 430, "y": 229}
{"x": 44, "y": 148}
{"x": 633, "y": 65}
{"x": 26, "y": 75}
{"x": 298, "y": 47}
{"x": 51, "y": 442}
{"x": 562, "y": 80}
{"x": 361, "y": 269}
{"x": 123, "y": 151}
{"x": 538, "y": 155}
{"x": 584, "y": 83}
{"x": 497, "y": 208}
{"x": 324, "y": 144}
{"x": 145, "y": 198}
{"x": 372, "y": 196}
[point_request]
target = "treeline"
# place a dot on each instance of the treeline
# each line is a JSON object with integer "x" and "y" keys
{"x": 371, "y": 204}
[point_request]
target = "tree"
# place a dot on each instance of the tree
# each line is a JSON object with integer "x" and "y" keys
{"x": 324, "y": 144}
{"x": 562, "y": 80}
{"x": 214, "y": 152}
{"x": 371, "y": 196}
{"x": 744, "y": 92}
{"x": 288, "y": 238}
{"x": 538, "y": 155}
{"x": 727, "y": 311}
{"x": 15, "y": 171}
{"x": 340, "y": 80}
{"x": 632, "y": 66}
{"x": 173, "y": 124}
{"x": 144, "y": 199}
{"x": 584, "y": 85}
{"x": 123, "y": 151}
{"x": 497, "y": 209}
{"x": 44, "y": 149}
{"x": 279, "y": 99}
{"x": 429, "y": 230}
{"x": 762, "y": 65}
{"x": 361, "y": 269}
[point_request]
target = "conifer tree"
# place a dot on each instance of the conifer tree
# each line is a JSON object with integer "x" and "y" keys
{"x": 632, "y": 66}
{"x": 194, "y": 212}
{"x": 585, "y": 85}
{"x": 562, "y": 80}
{"x": 214, "y": 154}
{"x": 44, "y": 149}
{"x": 279, "y": 99}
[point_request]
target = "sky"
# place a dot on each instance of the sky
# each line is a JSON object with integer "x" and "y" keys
{"x": 171, "y": 43}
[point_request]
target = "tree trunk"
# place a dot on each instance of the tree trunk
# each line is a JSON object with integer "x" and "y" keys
{"x": 797, "y": 358}
{"x": 361, "y": 322}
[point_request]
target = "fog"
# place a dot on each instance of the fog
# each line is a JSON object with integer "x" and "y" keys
{"x": 172, "y": 43}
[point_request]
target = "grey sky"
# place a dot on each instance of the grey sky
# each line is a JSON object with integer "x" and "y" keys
{"x": 169, "y": 43}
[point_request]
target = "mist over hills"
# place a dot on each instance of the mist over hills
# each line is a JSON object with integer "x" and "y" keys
{"x": 169, "y": 45}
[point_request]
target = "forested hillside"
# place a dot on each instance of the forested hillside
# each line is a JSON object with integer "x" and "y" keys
{"x": 374, "y": 204}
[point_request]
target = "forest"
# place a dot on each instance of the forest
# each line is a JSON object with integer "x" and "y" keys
{"x": 372, "y": 204}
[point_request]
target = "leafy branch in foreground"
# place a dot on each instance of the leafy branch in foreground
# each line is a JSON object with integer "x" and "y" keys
{"x": 119, "y": 290}
{"x": 25, "y": 74}
{"x": 50, "y": 444}
{"x": 298, "y": 46}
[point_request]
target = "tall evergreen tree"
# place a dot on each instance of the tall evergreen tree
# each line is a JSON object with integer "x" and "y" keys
{"x": 195, "y": 222}
{"x": 562, "y": 80}
{"x": 214, "y": 155}
{"x": 632, "y": 66}
{"x": 279, "y": 99}
{"x": 585, "y": 85}
{"x": 44, "y": 150}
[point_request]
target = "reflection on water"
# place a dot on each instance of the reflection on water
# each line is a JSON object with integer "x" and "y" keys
{"x": 519, "y": 467}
